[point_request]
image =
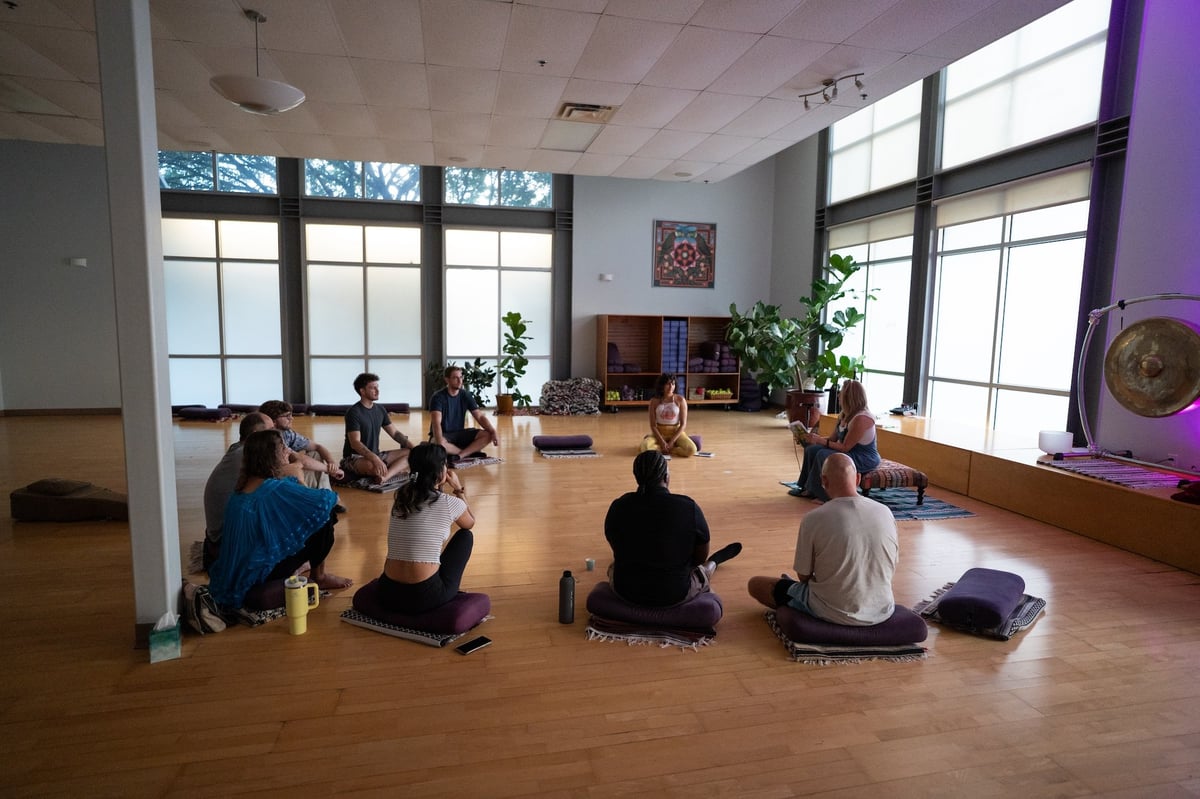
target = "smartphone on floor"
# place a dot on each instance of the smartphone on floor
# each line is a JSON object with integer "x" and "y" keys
{"x": 473, "y": 644}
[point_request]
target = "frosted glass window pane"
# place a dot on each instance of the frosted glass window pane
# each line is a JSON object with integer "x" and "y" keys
{"x": 529, "y": 294}
{"x": 251, "y": 307}
{"x": 193, "y": 323}
{"x": 894, "y": 156}
{"x": 537, "y": 373}
{"x": 189, "y": 238}
{"x": 849, "y": 172}
{"x": 883, "y": 391}
{"x": 252, "y": 381}
{"x": 900, "y": 247}
{"x": 853, "y": 128}
{"x": 1056, "y": 96}
{"x": 393, "y": 245}
{"x": 962, "y": 345}
{"x": 859, "y": 253}
{"x": 898, "y": 107}
{"x": 472, "y": 247}
{"x": 393, "y": 310}
{"x": 399, "y": 381}
{"x": 331, "y": 380}
{"x": 952, "y": 402}
{"x": 1021, "y": 411}
{"x": 1069, "y": 218}
{"x": 977, "y": 125}
{"x": 1038, "y": 331}
{"x": 526, "y": 250}
{"x": 196, "y": 381}
{"x": 335, "y": 310}
{"x": 472, "y": 294}
{"x": 984, "y": 233}
{"x": 886, "y": 328}
{"x": 256, "y": 240}
{"x": 334, "y": 243}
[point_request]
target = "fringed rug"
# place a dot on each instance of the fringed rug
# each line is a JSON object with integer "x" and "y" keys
{"x": 352, "y": 616}
{"x": 599, "y": 629}
{"x": 471, "y": 463}
{"x": 1025, "y": 614}
{"x": 569, "y": 453}
{"x": 366, "y": 484}
{"x": 902, "y": 502}
{"x": 829, "y": 654}
{"x": 1127, "y": 474}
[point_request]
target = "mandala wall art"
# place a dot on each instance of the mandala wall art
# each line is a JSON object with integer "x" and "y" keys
{"x": 685, "y": 254}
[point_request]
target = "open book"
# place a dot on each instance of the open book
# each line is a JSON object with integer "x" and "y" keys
{"x": 800, "y": 431}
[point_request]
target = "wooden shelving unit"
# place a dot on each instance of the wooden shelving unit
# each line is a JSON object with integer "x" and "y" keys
{"x": 640, "y": 341}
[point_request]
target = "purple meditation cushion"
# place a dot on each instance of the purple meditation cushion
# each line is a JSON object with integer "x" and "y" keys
{"x": 328, "y": 410}
{"x": 700, "y": 613}
{"x": 456, "y": 616}
{"x": 904, "y": 627}
{"x": 697, "y": 439}
{"x": 205, "y": 414}
{"x": 982, "y": 598}
{"x": 562, "y": 442}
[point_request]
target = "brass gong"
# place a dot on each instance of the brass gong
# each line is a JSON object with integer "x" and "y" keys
{"x": 1153, "y": 366}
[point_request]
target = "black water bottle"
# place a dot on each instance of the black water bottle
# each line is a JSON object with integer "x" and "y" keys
{"x": 566, "y": 599}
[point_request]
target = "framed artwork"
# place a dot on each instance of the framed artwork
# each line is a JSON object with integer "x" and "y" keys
{"x": 685, "y": 254}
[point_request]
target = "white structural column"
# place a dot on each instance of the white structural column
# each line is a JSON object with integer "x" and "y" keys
{"x": 131, "y": 153}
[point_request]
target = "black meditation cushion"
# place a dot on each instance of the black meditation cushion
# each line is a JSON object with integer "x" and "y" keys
{"x": 239, "y": 407}
{"x": 204, "y": 414}
{"x": 562, "y": 442}
{"x": 320, "y": 409}
{"x": 701, "y": 613}
{"x": 904, "y": 627}
{"x": 982, "y": 598}
{"x": 55, "y": 499}
{"x": 456, "y": 616}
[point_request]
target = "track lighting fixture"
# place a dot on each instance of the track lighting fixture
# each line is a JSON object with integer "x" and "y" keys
{"x": 829, "y": 89}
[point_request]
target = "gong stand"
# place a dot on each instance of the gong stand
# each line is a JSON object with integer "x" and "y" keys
{"x": 1152, "y": 368}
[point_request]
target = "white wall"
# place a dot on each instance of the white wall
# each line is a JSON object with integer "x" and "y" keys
{"x": 792, "y": 236}
{"x": 1158, "y": 247}
{"x": 58, "y": 334}
{"x": 614, "y": 229}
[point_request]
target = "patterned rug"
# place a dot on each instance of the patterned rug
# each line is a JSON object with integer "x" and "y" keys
{"x": 902, "y": 502}
{"x": 829, "y": 654}
{"x": 1129, "y": 475}
{"x": 1025, "y": 614}
{"x": 358, "y": 619}
{"x": 471, "y": 463}
{"x": 569, "y": 453}
{"x": 599, "y": 629}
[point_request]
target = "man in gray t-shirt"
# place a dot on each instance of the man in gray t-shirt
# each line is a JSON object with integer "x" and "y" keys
{"x": 846, "y": 554}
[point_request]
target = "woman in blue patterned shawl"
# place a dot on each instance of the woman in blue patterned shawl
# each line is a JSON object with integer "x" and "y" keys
{"x": 273, "y": 524}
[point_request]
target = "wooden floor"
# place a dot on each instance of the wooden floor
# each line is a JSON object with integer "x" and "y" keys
{"x": 1099, "y": 698}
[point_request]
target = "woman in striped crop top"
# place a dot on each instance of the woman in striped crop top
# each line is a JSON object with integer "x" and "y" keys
{"x": 419, "y": 573}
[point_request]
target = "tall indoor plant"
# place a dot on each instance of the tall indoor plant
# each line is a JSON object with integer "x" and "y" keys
{"x": 783, "y": 352}
{"x": 513, "y": 362}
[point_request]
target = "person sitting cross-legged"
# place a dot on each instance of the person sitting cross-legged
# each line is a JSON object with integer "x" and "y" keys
{"x": 361, "y": 454}
{"x": 448, "y": 409}
{"x": 846, "y": 554}
{"x": 855, "y": 436}
{"x": 659, "y": 540}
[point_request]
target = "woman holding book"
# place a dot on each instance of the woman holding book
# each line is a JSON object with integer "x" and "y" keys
{"x": 855, "y": 436}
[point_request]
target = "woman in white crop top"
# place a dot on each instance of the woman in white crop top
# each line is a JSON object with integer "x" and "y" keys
{"x": 419, "y": 573}
{"x": 668, "y": 418}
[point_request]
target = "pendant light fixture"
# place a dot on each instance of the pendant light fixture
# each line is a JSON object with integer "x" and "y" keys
{"x": 257, "y": 94}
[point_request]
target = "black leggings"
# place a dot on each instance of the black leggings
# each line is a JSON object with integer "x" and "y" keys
{"x": 435, "y": 591}
{"x": 315, "y": 550}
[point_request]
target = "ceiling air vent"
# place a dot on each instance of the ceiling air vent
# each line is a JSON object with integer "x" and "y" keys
{"x": 585, "y": 112}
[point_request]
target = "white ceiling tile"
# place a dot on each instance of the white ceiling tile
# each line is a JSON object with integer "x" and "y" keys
{"x": 597, "y": 164}
{"x": 841, "y": 60}
{"x": 536, "y": 96}
{"x": 321, "y": 77}
{"x": 652, "y": 107}
{"x": 710, "y": 112}
{"x": 759, "y": 152}
{"x": 392, "y": 83}
{"x": 19, "y": 58}
{"x": 25, "y": 128}
{"x": 991, "y": 24}
{"x": 768, "y": 65}
{"x": 810, "y": 122}
{"x": 719, "y": 148}
{"x": 721, "y": 171}
{"x": 558, "y": 161}
{"x": 176, "y": 67}
{"x": 556, "y": 37}
{"x": 342, "y": 120}
{"x": 621, "y": 140}
{"x": 641, "y": 167}
{"x": 597, "y": 92}
{"x": 353, "y": 148}
{"x": 754, "y": 16}
{"x": 79, "y": 131}
{"x": 684, "y": 171}
{"x": 910, "y": 24}
{"x": 72, "y": 50}
{"x": 698, "y": 56}
{"x": 830, "y": 20}
{"x": 670, "y": 144}
{"x": 385, "y": 31}
{"x": 589, "y": 6}
{"x": 459, "y": 127}
{"x": 764, "y": 118}
{"x": 514, "y": 158}
{"x": 624, "y": 50}
{"x": 458, "y": 89}
{"x": 414, "y": 124}
{"x": 464, "y": 33}
{"x": 515, "y": 132}
{"x": 677, "y": 11}
{"x": 408, "y": 152}
{"x": 77, "y": 99}
{"x": 455, "y": 153}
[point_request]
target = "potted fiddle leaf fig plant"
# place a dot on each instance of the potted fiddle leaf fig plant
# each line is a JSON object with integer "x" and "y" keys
{"x": 783, "y": 352}
{"x": 478, "y": 378}
{"x": 513, "y": 363}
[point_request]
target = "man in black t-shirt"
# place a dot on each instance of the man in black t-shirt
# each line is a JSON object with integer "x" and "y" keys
{"x": 659, "y": 540}
{"x": 361, "y": 454}
{"x": 448, "y": 409}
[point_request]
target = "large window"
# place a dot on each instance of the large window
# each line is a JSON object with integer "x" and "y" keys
{"x": 1007, "y": 290}
{"x": 223, "y": 320}
{"x": 363, "y": 180}
{"x": 488, "y": 274}
{"x": 501, "y": 187}
{"x": 876, "y": 147}
{"x": 229, "y": 172}
{"x": 363, "y": 310}
{"x": 1033, "y": 83}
